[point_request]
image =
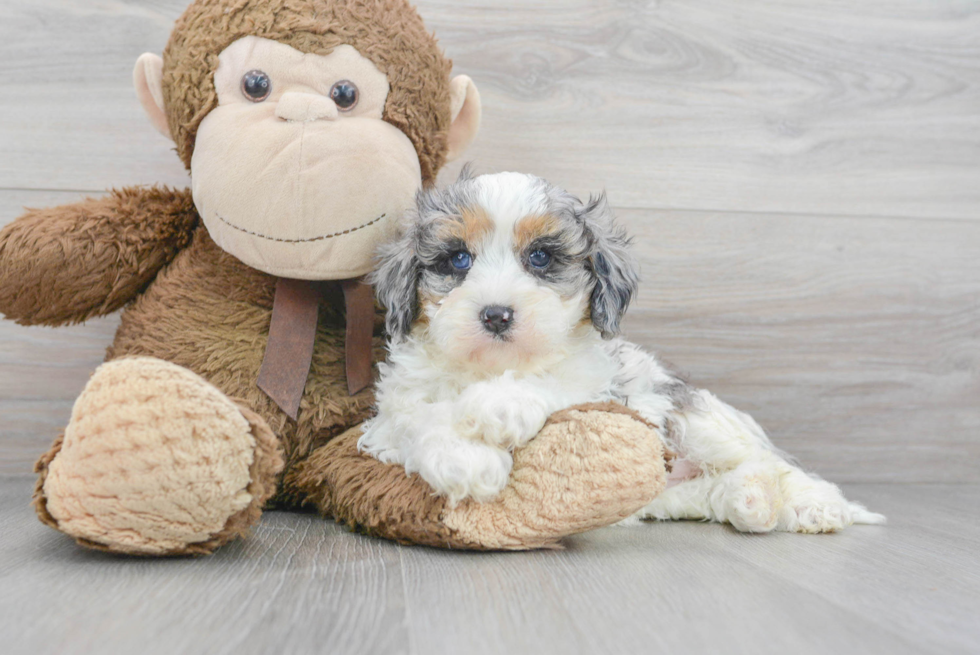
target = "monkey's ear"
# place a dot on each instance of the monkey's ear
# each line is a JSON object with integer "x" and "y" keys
{"x": 465, "y": 105}
{"x": 148, "y": 80}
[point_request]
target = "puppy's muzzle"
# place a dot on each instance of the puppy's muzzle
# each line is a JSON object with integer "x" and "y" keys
{"x": 497, "y": 319}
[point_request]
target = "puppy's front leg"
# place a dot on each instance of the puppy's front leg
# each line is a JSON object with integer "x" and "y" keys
{"x": 457, "y": 468}
{"x": 420, "y": 437}
{"x": 504, "y": 412}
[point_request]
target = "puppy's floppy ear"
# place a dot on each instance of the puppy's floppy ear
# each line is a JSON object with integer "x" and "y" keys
{"x": 396, "y": 279}
{"x": 613, "y": 268}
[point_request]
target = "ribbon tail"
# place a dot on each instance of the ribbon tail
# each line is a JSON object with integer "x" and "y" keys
{"x": 289, "y": 351}
{"x": 359, "y": 302}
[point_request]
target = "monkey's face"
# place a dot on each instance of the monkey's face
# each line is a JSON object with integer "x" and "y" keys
{"x": 294, "y": 172}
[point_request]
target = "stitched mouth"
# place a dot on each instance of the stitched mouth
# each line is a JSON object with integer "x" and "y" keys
{"x": 282, "y": 240}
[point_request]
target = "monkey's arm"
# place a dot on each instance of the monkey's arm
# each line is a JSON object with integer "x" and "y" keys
{"x": 66, "y": 264}
{"x": 591, "y": 465}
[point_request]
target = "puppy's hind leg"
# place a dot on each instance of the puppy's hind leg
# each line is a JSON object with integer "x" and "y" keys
{"x": 747, "y": 497}
{"x": 756, "y": 488}
{"x": 685, "y": 501}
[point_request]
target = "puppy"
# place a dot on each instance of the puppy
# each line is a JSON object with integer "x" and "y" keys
{"x": 504, "y": 296}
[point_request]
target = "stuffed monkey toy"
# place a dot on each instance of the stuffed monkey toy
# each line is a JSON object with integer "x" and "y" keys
{"x": 242, "y": 365}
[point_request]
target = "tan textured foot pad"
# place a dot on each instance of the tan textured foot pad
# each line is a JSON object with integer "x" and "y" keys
{"x": 156, "y": 461}
{"x": 588, "y": 468}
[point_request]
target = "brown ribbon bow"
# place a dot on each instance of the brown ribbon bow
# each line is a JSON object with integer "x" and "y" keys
{"x": 292, "y": 334}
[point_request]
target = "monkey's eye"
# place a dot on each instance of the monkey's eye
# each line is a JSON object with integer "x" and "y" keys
{"x": 345, "y": 94}
{"x": 461, "y": 260}
{"x": 256, "y": 85}
{"x": 539, "y": 259}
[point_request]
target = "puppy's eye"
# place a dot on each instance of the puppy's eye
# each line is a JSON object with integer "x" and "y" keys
{"x": 461, "y": 260}
{"x": 256, "y": 85}
{"x": 345, "y": 94}
{"x": 539, "y": 259}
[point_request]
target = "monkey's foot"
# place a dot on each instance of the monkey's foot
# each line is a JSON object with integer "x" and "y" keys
{"x": 588, "y": 467}
{"x": 156, "y": 461}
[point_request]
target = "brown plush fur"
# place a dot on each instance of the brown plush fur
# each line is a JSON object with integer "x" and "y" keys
{"x": 379, "y": 500}
{"x": 210, "y": 313}
{"x": 388, "y": 32}
{"x": 207, "y": 311}
{"x": 67, "y": 264}
{"x": 39, "y": 502}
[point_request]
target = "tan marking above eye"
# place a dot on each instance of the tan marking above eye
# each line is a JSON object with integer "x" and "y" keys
{"x": 471, "y": 227}
{"x": 532, "y": 227}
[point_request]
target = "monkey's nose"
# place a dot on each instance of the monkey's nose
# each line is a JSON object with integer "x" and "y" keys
{"x": 497, "y": 319}
{"x": 305, "y": 107}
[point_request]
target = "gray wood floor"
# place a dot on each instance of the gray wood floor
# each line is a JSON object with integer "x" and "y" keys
{"x": 300, "y": 584}
{"x": 803, "y": 181}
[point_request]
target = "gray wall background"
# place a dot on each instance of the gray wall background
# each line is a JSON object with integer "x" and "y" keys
{"x": 803, "y": 180}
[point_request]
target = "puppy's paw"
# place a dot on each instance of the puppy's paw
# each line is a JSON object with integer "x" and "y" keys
{"x": 378, "y": 441}
{"x": 500, "y": 413}
{"x": 459, "y": 469}
{"x": 813, "y": 506}
{"x": 749, "y": 498}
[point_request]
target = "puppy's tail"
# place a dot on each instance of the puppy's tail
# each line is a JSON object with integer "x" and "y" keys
{"x": 862, "y": 516}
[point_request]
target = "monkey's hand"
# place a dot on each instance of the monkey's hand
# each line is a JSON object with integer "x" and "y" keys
{"x": 66, "y": 264}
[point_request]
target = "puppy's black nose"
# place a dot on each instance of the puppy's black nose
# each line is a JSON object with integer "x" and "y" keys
{"x": 497, "y": 319}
